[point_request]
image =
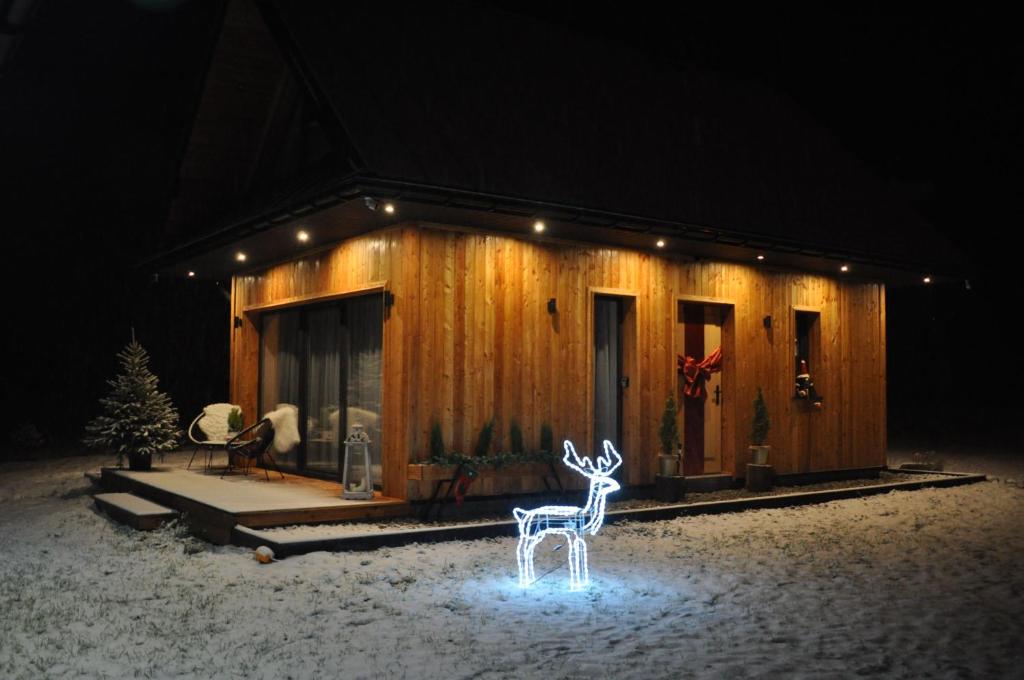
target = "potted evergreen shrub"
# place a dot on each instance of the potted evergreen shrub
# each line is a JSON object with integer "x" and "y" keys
{"x": 759, "y": 451}
{"x": 668, "y": 434}
{"x": 138, "y": 419}
{"x": 234, "y": 422}
{"x": 547, "y": 440}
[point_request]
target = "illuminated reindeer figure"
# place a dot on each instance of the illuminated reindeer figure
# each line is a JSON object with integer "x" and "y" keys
{"x": 569, "y": 520}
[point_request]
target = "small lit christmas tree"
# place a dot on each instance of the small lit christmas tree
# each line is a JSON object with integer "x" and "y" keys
{"x": 668, "y": 432}
{"x": 138, "y": 419}
{"x": 761, "y": 423}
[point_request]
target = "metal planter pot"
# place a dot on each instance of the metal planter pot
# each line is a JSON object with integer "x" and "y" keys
{"x": 668, "y": 466}
{"x": 759, "y": 454}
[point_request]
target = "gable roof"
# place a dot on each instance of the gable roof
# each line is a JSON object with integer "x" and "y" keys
{"x": 479, "y": 102}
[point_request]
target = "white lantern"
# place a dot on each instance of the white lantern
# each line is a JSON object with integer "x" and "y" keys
{"x": 357, "y": 482}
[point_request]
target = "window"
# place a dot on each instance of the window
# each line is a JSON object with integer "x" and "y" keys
{"x": 326, "y": 361}
{"x": 806, "y": 353}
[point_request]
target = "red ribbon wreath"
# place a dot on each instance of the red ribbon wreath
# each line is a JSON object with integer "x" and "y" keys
{"x": 696, "y": 374}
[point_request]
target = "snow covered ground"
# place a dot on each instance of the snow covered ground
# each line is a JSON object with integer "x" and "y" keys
{"x": 908, "y": 584}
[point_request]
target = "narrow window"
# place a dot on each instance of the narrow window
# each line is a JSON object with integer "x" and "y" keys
{"x": 807, "y": 354}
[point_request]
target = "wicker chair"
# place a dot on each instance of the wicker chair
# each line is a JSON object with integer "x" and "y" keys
{"x": 209, "y": 431}
{"x": 250, "y": 446}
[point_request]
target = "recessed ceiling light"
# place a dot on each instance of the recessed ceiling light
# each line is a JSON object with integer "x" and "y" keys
{"x": 760, "y": 258}
{"x": 927, "y": 279}
{"x": 240, "y": 257}
{"x": 191, "y": 274}
{"x": 389, "y": 208}
{"x": 303, "y": 236}
{"x": 660, "y": 243}
{"x": 538, "y": 226}
{"x": 844, "y": 268}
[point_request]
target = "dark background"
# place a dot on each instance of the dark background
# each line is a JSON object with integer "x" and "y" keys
{"x": 97, "y": 98}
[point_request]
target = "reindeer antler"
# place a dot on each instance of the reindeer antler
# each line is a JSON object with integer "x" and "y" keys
{"x": 584, "y": 466}
{"x": 610, "y": 460}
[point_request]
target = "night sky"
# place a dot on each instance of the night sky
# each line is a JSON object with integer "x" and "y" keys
{"x": 95, "y": 106}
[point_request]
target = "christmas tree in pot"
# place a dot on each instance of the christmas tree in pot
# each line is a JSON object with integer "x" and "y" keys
{"x": 138, "y": 419}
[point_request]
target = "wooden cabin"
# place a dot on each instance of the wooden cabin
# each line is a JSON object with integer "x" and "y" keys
{"x": 463, "y": 215}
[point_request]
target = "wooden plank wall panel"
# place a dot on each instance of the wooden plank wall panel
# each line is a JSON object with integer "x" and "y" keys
{"x": 541, "y": 363}
{"x": 470, "y": 338}
{"x": 381, "y": 256}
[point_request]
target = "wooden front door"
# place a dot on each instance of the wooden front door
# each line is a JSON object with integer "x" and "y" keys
{"x": 700, "y": 334}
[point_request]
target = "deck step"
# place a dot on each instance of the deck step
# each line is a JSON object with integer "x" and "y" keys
{"x": 136, "y": 512}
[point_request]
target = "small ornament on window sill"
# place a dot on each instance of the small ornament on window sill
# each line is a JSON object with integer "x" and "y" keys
{"x": 805, "y": 386}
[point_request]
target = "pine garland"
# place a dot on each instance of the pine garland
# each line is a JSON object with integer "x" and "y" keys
{"x": 481, "y": 457}
{"x": 137, "y": 417}
{"x": 497, "y": 460}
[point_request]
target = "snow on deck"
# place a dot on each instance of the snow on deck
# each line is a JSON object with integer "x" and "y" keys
{"x": 240, "y": 494}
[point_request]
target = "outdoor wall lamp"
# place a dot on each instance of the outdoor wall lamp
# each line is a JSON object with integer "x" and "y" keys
{"x": 552, "y": 306}
{"x": 767, "y": 321}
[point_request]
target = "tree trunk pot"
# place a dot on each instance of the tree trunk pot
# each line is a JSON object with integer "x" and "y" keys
{"x": 760, "y": 477}
{"x": 140, "y": 462}
{"x": 669, "y": 488}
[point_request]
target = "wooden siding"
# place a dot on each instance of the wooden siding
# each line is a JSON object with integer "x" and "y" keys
{"x": 469, "y": 338}
{"x": 370, "y": 261}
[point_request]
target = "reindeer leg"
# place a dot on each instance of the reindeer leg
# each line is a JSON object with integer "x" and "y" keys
{"x": 531, "y": 545}
{"x": 574, "y": 574}
{"x": 579, "y": 553}
{"x": 525, "y": 567}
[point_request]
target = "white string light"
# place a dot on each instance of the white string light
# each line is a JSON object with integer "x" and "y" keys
{"x": 568, "y": 520}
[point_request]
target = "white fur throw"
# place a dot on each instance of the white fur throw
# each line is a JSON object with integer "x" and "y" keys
{"x": 214, "y": 422}
{"x": 285, "y": 419}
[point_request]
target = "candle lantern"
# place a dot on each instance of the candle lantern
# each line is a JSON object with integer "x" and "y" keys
{"x": 357, "y": 483}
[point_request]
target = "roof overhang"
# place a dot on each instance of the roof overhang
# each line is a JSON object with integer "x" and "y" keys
{"x": 355, "y": 207}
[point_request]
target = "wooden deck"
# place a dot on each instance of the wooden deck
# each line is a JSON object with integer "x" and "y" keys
{"x": 213, "y": 505}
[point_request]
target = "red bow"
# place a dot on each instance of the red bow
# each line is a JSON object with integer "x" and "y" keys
{"x": 697, "y": 374}
{"x": 466, "y": 478}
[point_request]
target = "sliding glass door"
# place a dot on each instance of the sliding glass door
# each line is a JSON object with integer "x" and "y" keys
{"x": 326, "y": 361}
{"x": 280, "y": 368}
{"x": 364, "y": 325}
{"x": 325, "y": 347}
